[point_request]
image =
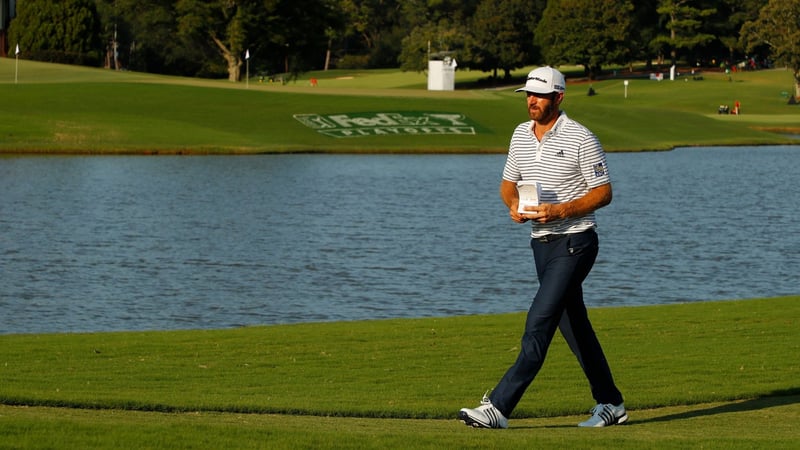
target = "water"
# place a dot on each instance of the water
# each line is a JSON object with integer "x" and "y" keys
{"x": 143, "y": 243}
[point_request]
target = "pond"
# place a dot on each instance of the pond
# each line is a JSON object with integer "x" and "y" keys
{"x": 159, "y": 243}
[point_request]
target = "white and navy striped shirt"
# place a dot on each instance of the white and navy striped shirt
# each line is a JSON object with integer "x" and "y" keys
{"x": 568, "y": 162}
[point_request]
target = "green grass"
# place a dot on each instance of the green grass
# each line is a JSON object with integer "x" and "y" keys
{"x": 715, "y": 374}
{"x": 67, "y": 109}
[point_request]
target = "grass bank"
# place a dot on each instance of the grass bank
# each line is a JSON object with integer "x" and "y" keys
{"x": 716, "y": 374}
{"x": 68, "y": 109}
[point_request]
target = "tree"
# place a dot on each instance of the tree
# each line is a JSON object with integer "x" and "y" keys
{"x": 586, "y": 32}
{"x": 209, "y": 38}
{"x": 644, "y": 29}
{"x": 374, "y": 30}
{"x": 429, "y": 41}
{"x": 502, "y": 34}
{"x": 147, "y": 37}
{"x": 726, "y": 23}
{"x": 434, "y": 28}
{"x": 292, "y": 36}
{"x": 222, "y": 24}
{"x": 57, "y": 31}
{"x": 282, "y": 36}
{"x": 683, "y": 21}
{"x": 778, "y": 27}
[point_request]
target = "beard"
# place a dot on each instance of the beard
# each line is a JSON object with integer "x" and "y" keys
{"x": 543, "y": 114}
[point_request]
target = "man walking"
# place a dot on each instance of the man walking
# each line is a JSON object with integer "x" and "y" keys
{"x": 568, "y": 165}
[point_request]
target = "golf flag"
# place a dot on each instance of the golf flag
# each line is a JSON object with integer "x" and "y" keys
{"x": 16, "y": 65}
{"x": 247, "y": 58}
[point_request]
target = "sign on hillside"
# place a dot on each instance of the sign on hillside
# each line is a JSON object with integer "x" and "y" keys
{"x": 387, "y": 123}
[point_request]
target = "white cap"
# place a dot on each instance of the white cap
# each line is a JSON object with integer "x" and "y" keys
{"x": 544, "y": 80}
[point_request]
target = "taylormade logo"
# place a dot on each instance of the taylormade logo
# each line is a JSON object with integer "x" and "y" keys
{"x": 387, "y": 123}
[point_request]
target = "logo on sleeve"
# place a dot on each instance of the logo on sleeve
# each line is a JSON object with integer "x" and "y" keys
{"x": 600, "y": 170}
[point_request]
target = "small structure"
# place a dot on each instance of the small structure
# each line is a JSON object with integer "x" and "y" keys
{"x": 442, "y": 74}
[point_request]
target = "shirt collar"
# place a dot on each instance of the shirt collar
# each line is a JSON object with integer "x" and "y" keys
{"x": 562, "y": 118}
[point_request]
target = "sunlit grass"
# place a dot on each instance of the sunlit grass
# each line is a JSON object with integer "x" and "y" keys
{"x": 56, "y": 108}
{"x": 719, "y": 374}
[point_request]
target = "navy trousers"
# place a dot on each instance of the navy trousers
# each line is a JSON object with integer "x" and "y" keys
{"x": 561, "y": 266}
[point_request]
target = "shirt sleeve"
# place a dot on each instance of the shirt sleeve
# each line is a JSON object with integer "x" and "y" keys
{"x": 594, "y": 166}
{"x": 511, "y": 170}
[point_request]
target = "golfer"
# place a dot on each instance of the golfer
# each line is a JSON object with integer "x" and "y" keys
{"x": 569, "y": 165}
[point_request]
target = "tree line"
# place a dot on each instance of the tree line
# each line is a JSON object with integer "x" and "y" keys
{"x": 215, "y": 38}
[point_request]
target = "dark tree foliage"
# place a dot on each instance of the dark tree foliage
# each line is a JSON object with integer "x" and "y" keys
{"x": 145, "y": 33}
{"x": 725, "y": 24}
{"x": 644, "y": 29}
{"x": 290, "y": 39}
{"x": 434, "y": 30}
{"x": 603, "y": 30}
{"x": 372, "y": 32}
{"x": 502, "y": 35}
{"x": 57, "y": 31}
{"x": 777, "y": 28}
{"x": 210, "y": 38}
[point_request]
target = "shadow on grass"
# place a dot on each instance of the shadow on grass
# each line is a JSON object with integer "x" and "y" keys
{"x": 775, "y": 398}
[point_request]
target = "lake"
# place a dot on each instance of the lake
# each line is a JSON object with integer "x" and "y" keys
{"x": 177, "y": 242}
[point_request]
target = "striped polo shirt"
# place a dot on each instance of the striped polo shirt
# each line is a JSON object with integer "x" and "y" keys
{"x": 568, "y": 162}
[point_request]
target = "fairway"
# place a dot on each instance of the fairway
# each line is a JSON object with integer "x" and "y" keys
{"x": 711, "y": 374}
{"x": 68, "y": 109}
{"x": 763, "y": 423}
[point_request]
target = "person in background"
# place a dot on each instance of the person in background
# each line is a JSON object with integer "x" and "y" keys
{"x": 569, "y": 165}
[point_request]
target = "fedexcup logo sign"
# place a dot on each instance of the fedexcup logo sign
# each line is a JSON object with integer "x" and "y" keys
{"x": 387, "y": 123}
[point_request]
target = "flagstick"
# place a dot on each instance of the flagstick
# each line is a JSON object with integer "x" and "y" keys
{"x": 16, "y": 64}
{"x": 247, "y": 70}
